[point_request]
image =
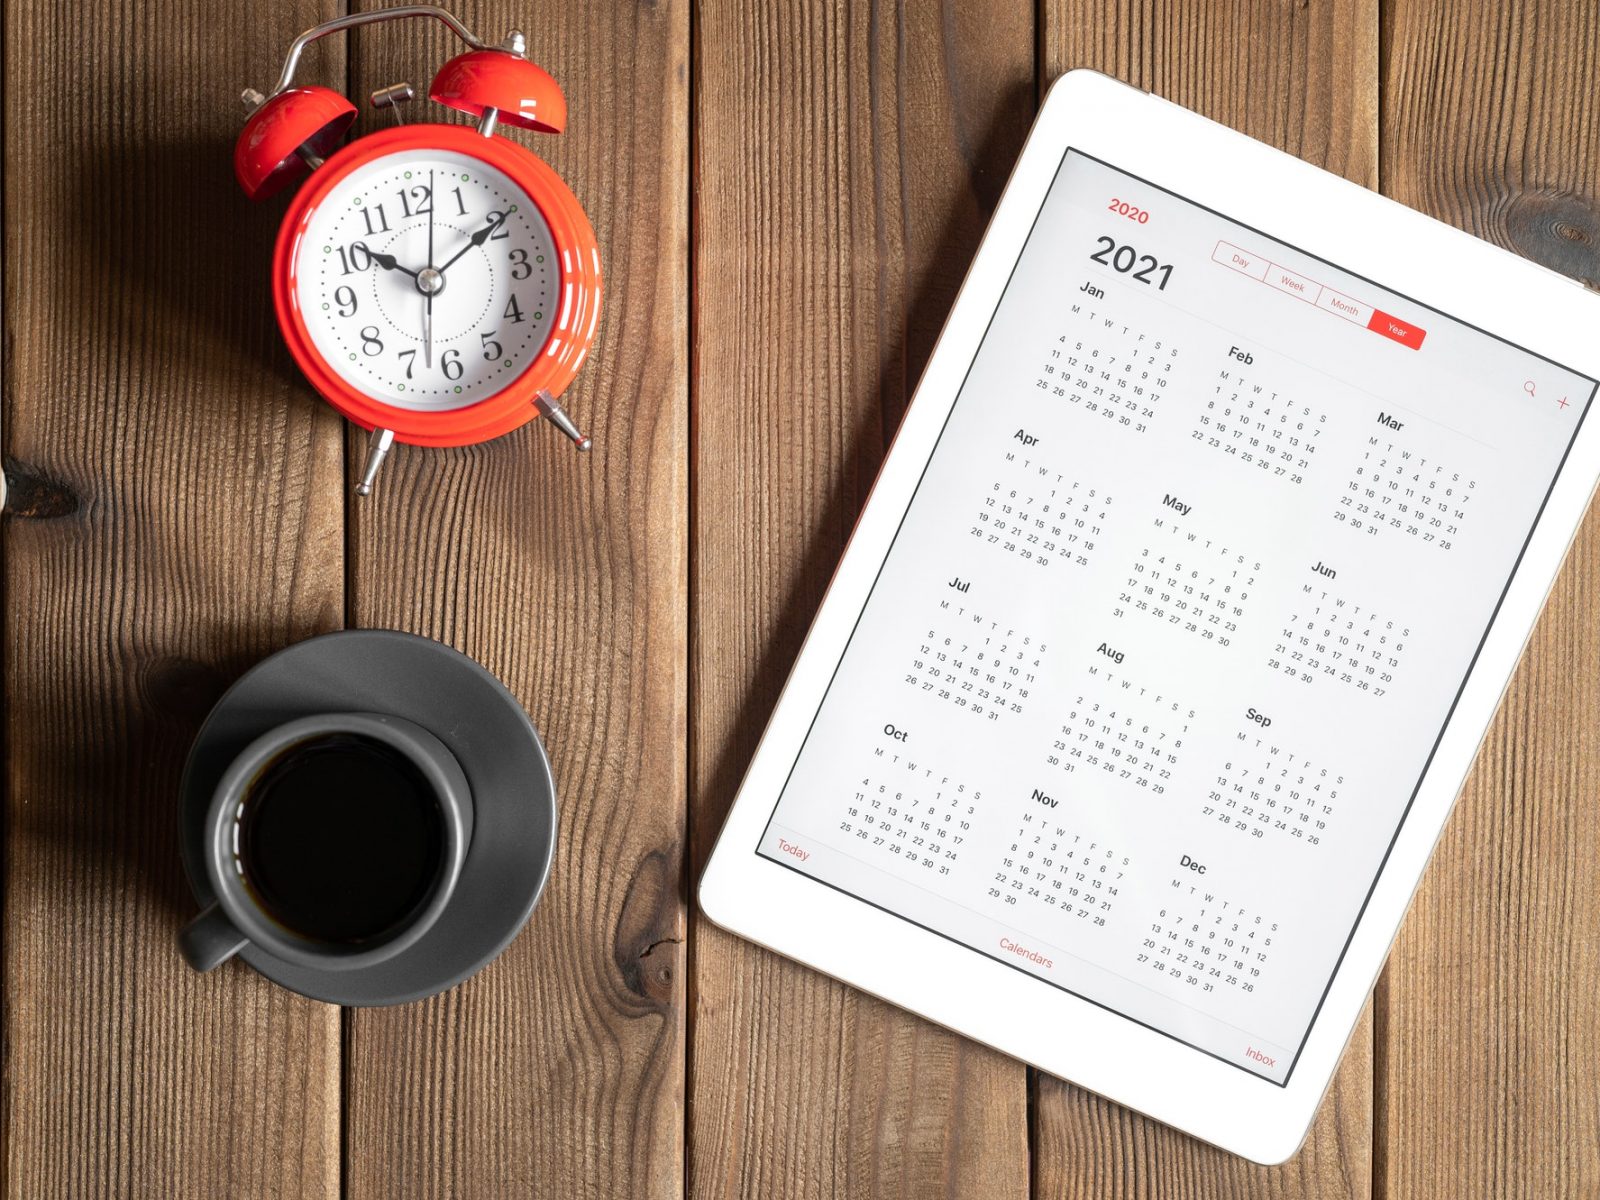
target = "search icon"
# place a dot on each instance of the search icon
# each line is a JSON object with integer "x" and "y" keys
{"x": 1527, "y": 386}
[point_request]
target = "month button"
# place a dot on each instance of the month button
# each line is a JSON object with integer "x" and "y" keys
{"x": 1341, "y": 305}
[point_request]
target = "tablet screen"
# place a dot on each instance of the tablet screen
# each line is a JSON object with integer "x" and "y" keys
{"x": 1176, "y": 616}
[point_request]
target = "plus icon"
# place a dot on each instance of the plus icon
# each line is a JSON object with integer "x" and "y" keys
{"x": 1562, "y": 402}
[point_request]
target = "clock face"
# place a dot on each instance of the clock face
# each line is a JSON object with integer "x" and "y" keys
{"x": 427, "y": 279}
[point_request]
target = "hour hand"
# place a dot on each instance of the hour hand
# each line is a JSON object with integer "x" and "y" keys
{"x": 477, "y": 239}
{"x": 387, "y": 262}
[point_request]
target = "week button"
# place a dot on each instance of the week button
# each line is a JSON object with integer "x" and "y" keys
{"x": 1295, "y": 285}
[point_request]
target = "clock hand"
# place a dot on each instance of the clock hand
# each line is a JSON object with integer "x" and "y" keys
{"x": 429, "y": 282}
{"x": 427, "y": 299}
{"x": 387, "y": 262}
{"x": 477, "y": 239}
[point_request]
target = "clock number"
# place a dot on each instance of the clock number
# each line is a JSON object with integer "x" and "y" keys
{"x": 502, "y": 233}
{"x": 382, "y": 223}
{"x": 345, "y": 298}
{"x": 370, "y": 345}
{"x": 491, "y": 348}
{"x": 357, "y": 260}
{"x": 519, "y": 263}
{"x": 461, "y": 205}
{"x": 411, "y": 360}
{"x": 514, "y": 312}
{"x": 451, "y": 367}
{"x": 422, "y": 194}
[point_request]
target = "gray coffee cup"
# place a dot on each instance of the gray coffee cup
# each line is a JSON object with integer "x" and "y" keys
{"x": 237, "y": 918}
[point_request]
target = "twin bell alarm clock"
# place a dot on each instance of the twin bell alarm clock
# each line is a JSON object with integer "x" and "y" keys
{"x": 438, "y": 284}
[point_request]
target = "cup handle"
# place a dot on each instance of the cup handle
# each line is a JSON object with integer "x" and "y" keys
{"x": 210, "y": 939}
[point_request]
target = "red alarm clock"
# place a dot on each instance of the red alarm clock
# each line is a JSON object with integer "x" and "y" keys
{"x": 438, "y": 284}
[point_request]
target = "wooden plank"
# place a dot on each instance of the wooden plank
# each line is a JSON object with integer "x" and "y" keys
{"x": 175, "y": 515}
{"x": 1489, "y": 1043}
{"x": 558, "y": 1071}
{"x": 846, "y": 159}
{"x": 1304, "y": 78}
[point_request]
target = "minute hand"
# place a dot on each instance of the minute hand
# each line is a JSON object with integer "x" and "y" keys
{"x": 478, "y": 239}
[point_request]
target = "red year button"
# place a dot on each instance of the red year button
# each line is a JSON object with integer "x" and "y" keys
{"x": 1400, "y": 331}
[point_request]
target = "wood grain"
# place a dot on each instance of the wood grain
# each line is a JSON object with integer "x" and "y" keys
{"x": 1489, "y": 1035}
{"x": 559, "y": 1070}
{"x": 1303, "y": 77}
{"x": 846, "y": 157}
{"x": 175, "y": 515}
{"x": 178, "y": 511}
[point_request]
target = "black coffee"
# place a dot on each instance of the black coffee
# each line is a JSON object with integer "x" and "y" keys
{"x": 341, "y": 839}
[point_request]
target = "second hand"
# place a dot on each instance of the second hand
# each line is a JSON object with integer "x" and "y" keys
{"x": 427, "y": 303}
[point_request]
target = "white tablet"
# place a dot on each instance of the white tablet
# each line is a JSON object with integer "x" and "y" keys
{"x": 1187, "y": 590}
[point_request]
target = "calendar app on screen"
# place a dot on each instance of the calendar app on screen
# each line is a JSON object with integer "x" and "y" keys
{"x": 1176, "y": 617}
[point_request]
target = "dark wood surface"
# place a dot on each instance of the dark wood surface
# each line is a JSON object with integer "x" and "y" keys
{"x": 787, "y": 195}
{"x": 1488, "y": 1066}
{"x": 176, "y": 513}
{"x": 846, "y": 157}
{"x": 558, "y": 1071}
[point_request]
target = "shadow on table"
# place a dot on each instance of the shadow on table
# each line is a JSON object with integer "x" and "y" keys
{"x": 103, "y": 813}
{"x": 163, "y": 268}
{"x": 171, "y": 234}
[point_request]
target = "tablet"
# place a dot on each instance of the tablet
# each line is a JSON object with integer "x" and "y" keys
{"x": 1163, "y": 644}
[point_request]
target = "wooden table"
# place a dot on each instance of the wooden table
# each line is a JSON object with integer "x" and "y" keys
{"x": 787, "y": 195}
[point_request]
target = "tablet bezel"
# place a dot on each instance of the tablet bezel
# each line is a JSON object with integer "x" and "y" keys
{"x": 989, "y": 1001}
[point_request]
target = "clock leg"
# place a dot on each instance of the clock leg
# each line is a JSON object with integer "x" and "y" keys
{"x": 557, "y": 416}
{"x": 377, "y": 450}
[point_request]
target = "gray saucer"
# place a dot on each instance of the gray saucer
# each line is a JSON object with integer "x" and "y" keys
{"x": 467, "y": 708}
